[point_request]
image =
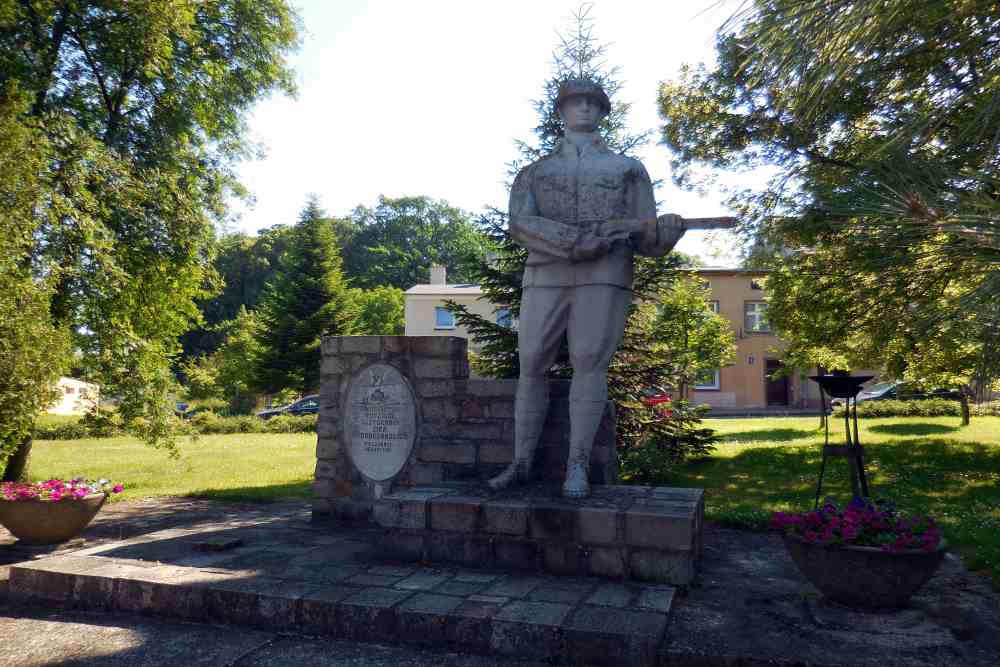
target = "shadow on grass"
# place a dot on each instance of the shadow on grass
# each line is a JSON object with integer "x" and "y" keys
{"x": 768, "y": 435}
{"x": 912, "y": 429}
{"x": 301, "y": 490}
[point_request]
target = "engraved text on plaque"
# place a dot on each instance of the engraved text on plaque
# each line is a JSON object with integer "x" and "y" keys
{"x": 381, "y": 421}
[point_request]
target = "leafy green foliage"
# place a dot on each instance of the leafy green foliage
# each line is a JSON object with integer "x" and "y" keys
{"x": 691, "y": 338}
{"x": 244, "y": 264}
{"x": 309, "y": 298}
{"x": 33, "y": 352}
{"x": 381, "y": 311}
{"x": 229, "y": 372}
{"x": 142, "y": 104}
{"x": 396, "y": 242}
{"x": 665, "y": 440}
{"x": 932, "y": 407}
{"x": 878, "y": 120}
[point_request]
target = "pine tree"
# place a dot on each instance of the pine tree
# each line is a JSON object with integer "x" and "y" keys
{"x": 308, "y": 298}
{"x": 639, "y": 363}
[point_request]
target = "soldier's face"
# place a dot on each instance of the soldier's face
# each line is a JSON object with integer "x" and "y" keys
{"x": 580, "y": 113}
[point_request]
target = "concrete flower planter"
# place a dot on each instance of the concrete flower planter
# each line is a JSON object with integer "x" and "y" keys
{"x": 864, "y": 576}
{"x": 49, "y": 521}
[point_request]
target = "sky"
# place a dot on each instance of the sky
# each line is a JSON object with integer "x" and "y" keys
{"x": 402, "y": 98}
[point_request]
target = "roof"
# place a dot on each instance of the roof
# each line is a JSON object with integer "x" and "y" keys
{"x": 470, "y": 289}
{"x": 727, "y": 269}
{"x": 446, "y": 290}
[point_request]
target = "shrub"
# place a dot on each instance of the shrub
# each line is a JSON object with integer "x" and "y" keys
{"x": 291, "y": 424}
{"x": 932, "y": 407}
{"x": 203, "y": 422}
{"x": 103, "y": 424}
{"x": 991, "y": 409}
{"x": 61, "y": 431}
{"x": 670, "y": 437}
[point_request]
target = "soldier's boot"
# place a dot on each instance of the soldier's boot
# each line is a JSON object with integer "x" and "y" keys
{"x": 530, "y": 409}
{"x": 585, "y": 419}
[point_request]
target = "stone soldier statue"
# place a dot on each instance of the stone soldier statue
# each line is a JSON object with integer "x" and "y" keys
{"x": 582, "y": 212}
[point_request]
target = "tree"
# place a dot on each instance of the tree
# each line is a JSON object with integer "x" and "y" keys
{"x": 396, "y": 242}
{"x": 308, "y": 298}
{"x": 635, "y": 367}
{"x": 693, "y": 339}
{"x": 33, "y": 352}
{"x": 381, "y": 311}
{"x": 143, "y": 104}
{"x": 244, "y": 264}
{"x": 879, "y": 119}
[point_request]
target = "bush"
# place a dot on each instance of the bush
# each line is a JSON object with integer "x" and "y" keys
{"x": 932, "y": 407}
{"x": 991, "y": 409}
{"x": 61, "y": 431}
{"x": 291, "y": 424}
{"x": 103, "y": 424}
{"x": 670, "y": 438}
{"x": 205, "y": 423}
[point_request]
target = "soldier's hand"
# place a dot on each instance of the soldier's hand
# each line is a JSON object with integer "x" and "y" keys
{"x": 671, "y": 229}
{"x": 590, "y": 247}
{"x": 622, "y": 229}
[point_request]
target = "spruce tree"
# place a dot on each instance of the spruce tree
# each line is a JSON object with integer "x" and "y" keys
{"x": 307, "y": 299}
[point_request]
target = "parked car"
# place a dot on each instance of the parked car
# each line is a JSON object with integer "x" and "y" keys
{"x": 901, "y": 391}
{"x": 657, "y": 397}
{"x": 307, "y": 405}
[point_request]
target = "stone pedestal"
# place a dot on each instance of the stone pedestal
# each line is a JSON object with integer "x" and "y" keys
{"x": 619, "y": 532}
{"x": 462, "y": 428}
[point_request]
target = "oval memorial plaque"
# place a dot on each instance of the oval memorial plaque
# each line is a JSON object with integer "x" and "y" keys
{"x": 381, "y": 421}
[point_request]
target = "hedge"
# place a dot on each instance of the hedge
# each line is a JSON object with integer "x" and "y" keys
{"x": 204, "y": 423}
{"x": 932, "y": 407}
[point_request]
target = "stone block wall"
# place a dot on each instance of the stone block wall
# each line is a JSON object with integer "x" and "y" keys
{"x": 465, "y": 427}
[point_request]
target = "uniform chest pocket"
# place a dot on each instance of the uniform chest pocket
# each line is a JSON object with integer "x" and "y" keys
{"x": 609, "y": 183}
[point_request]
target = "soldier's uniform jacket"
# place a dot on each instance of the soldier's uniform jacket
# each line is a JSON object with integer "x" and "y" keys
{"x": 558, "y": 198}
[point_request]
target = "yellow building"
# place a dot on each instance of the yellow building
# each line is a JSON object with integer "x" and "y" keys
{"x": 426, "y": 314}
{"x": 751, "y": 381}
{"x": 748, "y": 384}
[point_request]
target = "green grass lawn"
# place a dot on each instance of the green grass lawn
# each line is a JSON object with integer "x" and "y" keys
{"x": 241, "y": 466}
{"x": 927, "y": 465}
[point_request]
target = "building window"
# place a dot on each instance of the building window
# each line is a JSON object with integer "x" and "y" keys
{"x": 443, "y": 318}
{"x": 714, "y": 306}
{"x": 756, "y": 284}
{"x": 707, "y": 380}
{"x": 755, "y": 317}
{"x": 504, "y": 318}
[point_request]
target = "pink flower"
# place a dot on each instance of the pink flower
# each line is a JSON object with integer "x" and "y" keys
{"x": 118, "y": 488}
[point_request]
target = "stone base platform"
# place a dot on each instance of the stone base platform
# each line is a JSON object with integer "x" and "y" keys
{"x": 332, "y": 586}
{"x": 620, "y": 532}
{"x": 268, "y": 564}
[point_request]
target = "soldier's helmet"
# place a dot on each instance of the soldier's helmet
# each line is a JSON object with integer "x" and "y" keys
{"x": 574, "y": 87}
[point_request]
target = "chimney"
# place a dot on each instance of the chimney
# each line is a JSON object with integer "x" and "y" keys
{"x": 438, "y": 275}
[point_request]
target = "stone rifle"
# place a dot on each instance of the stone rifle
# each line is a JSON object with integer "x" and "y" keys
{"x": 658, "y": 228}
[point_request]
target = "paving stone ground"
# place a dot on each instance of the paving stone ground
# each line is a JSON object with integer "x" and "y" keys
{"x": 244, "y": 563}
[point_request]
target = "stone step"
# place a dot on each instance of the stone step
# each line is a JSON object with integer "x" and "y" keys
{"x": 619, "y": 532}
{"x": 575, "y": 621}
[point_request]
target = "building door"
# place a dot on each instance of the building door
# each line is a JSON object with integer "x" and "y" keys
{"x": 776, "y": 388}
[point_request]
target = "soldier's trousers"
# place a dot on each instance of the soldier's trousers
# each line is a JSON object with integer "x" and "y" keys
{"x": 593, "y": 318}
